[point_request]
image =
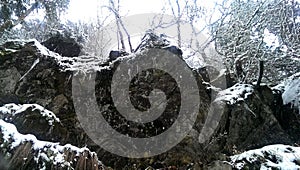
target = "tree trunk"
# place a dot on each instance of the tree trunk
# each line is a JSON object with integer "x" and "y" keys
{"x": 261, "y": 72}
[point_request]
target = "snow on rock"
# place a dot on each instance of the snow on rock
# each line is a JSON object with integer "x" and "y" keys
{"x": 191, "y": 58}
{"x": 277, "y": 156}
{"x": 45, "y": 152}
{"x": 290, "y": 89}
{"x": 90, "y": 63}
{"x": 10, "y": 133}
{"x": 151, "y": 40}
{"x": 236, "y": 93}
{"x": 14, "y": 109}
{"x": 84, "y": 63}
{"x": 271, "y": 39}
{"x": 291, "y": 93}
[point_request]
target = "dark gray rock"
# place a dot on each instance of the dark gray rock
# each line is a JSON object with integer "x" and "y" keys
{"x": 9, "y": 98}
{"x": 175, "y": 50}
{"x": 34, "y": 119}
{"x": 64, "y": 46}
{"x": 287, "y": 115}
{"x": 45, "y": 84}
{"x": 115, "y": 54}
{"x": 8, "y": 80}
{"x": 259, "y": 120}
{"x": 218, "y": 165}
{"x": 250, "y": 124}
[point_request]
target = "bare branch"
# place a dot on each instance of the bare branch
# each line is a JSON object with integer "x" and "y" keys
{"x": 120, "y": 23}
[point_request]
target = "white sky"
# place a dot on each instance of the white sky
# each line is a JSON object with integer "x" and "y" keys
{"x": 86, "y": 10}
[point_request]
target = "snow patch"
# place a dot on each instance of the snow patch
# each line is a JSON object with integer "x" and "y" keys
{"x": 297, "y": 19}
{"x": 85, "y": 63}
{"x": 273, "y": 156}
{"x": 290, "y": 89}
{"x": 14, "y": 138}
{"x": 44, "y": 51}
{"x": 291, "y": 93}
{"x": 236, "y": 93}
{"x": 192, "y": 58}
{"x": 14, "y": 109}
{"x": 271, "y": 39}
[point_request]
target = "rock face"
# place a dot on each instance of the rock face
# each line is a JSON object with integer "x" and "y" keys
{"x": 248, "y": 122}
{"x": 288, "y": 96}
{"x": 30, "y": 74}
{"x": 42, "y": 81}
{"x": 181, "y": 155}
{"x": 113, "y": 55}
{"x": 63, "y": 45}
{"x": 20, "y": 151}
{"x": 34, "y": 119}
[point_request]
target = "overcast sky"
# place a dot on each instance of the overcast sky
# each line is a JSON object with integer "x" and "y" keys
{"x": 86, "y": 10}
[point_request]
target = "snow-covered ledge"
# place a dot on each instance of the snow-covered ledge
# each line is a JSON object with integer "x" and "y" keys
{"x": 42, "y": 154}
{"x": 278, "y": 156}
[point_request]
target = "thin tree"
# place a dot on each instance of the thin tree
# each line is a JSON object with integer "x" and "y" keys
{"x": 116, "y": 11}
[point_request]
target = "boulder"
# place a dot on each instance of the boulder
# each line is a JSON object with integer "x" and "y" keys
{"x": 39, "y": 79}
{"x": 27, "y": 152}
{"x": 174, "y": 50}
{"x": 115, "y": 54}
{"x": 65, "y": 46}
{"x": 248, "y": 120}
{"x": 34, "y": 119}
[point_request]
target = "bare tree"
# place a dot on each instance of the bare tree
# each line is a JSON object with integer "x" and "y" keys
{"x": 116, "y": 11}
{"x": 14, "y": 13}
{"x": 177, "y": 16}
{"x": 254, "y": 32}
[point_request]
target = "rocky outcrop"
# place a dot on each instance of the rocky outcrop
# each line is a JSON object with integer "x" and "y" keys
{"x": 20, "y": 151}
{"x": 181, "y": 155}
{"x": 38, "y": 78}
{"x": 44, "y": 78}
{"x": 34, "y": 119}
{"x": 31, "y": 74}
{"x": 248, "y": 120}
{"x": 287, "y": 95}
